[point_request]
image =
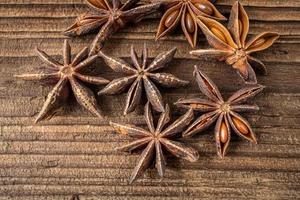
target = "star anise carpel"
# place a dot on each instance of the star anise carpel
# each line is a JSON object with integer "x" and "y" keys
{"x": 68, "y": 77}
{"x": 141, "y": 76}
{"x": 185, "y": 12}
{"x": 224, "y": 113}
{"x": 232, "y": 45}
{"x": 156, "y": 140}
{"x": 109, "y": 17}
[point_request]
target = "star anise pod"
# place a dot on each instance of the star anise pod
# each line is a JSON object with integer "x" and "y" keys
{"x": 66, "y": 75}
{"x": 232, "y": 46}
{"x": 141, "y": 75}
{"x": 225, "y": 113}
{"x": 156, "y": 140}
{"x": 109, "y": 17}
{"x": 185, "y": 12}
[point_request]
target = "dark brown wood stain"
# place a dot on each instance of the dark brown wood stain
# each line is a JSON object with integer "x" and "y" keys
{"x": 73, "y": 152}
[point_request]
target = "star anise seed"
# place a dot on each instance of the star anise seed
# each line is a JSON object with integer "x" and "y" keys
{"x": 232, "y": 46}
{"x": 156, "y": 140}
{"x": 185, "y": 12}
{"x": 141, "y": 75}
{"x": 67, "y": 75}
{"x": 224, "y": 113}
{"x": 109, "y": 17}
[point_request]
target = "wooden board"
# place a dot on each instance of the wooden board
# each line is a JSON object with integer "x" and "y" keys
{"x": 73, "y": 152}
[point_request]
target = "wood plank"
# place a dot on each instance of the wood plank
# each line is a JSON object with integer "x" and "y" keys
{"x": 107, "y": 148}
{"x": 256, "y": 3}
{"x": 238, "y": 162}
{"x": 53, "y": 28}
{"x": 279, "y": 52}
{"x": 30, "y": 106}
{"x": 197, "y": 179}
{"x": 73, "y": 153}
{"x": 103, "y": 133}
{"x": 198, "y": 176}
{"x": 63, "y": 10}
{"x": 89, "y": 197}
{"x": 261, "y": 3}
{"x": 204, "y": 192}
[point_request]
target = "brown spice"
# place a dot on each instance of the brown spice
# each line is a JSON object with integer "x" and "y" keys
{"x": 141, "y": 76}
{"x": 185, "y": 12}
{"x": 224, "y": 113}
{"x": 109, "y": 17}
{"x": 155, "y": 140}
{"x": 231, "y": 45}
{"x": 68, "y": 77}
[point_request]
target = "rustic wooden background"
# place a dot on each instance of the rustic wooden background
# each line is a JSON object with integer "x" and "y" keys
{"x": 72, "y": 153}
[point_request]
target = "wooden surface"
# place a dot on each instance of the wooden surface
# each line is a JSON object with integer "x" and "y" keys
{"x": 72, "y": 153}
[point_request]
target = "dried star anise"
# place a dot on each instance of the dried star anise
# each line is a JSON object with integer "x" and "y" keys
{"x": 67, "y": 75}
{"x": 141, "y": 76}
{"x": 185, "y": 12}
{"x": 231, "y": 45}
{"x": 110, "y": 16}
{"x": 155, "y": 140}
{"x": 224, "y": 112}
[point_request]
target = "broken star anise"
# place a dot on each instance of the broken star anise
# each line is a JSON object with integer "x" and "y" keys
{"x": 231, "y": 45}
{"x": 224, "y": 112}
{"x": 66, "y": 75}
{"x": 156, "y": 140}
{"x": 141, "y": 75}
{"x": 185, "y": 12}
{"x": 109, "y": 17}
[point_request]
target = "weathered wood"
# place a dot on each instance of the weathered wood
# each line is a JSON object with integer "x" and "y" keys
{"x": 255, "y": 3}
{"x": 73, "y": 153}
{"x": 44, "y": 11}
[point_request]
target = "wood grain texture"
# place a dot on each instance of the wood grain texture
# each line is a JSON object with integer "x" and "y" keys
{"x": 73, "y": 153}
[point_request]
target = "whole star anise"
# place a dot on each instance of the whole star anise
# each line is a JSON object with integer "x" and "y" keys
{"x": 66, "y": 74}
{"x": 141, "y": 76}
{"x": 224, "y": 112}
{"x": 231, "y": 45}
{"x": 156, "y": 140}
{"x": 185, "y": 12}
{"x": 109, "y": 17}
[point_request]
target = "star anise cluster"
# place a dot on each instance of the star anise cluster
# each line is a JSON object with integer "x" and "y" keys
{"x": 185, "y": 12}
{"x": 68, "y": 77}
{"x": 141, "y": 76}
{"x": 224, "y": 113}
{"x": 156, "y": 140}
{"x": 232, "y": 45}
{"x": 109, "y": 17}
